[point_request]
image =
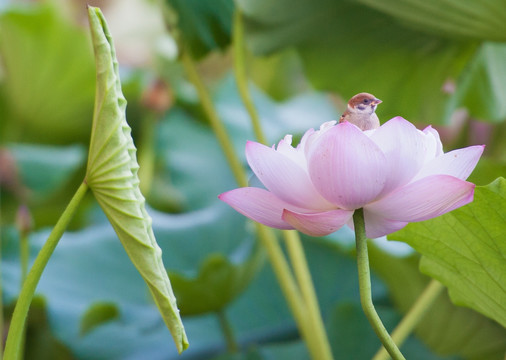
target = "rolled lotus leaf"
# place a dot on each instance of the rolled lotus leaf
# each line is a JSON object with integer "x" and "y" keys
{"x": 112, "y": 176}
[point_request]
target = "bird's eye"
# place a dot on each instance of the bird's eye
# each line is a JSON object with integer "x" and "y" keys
{"x": 366, "y": 101}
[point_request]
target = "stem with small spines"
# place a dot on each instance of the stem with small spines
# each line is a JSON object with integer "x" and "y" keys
{"x": 281, "y": 268}
{"x": 413, "y": 317}
{"x": 15, "y": 335}
{"x": 292, "y": 238}
{"x": 364, "y": 281}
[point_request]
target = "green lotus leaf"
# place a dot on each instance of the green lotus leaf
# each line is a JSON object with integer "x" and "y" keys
{"x": 98, "y": 314}
{"x": 487, "y": 170}
{"x": 39, "y": 335}
{"x": 44, "y": 177}
{"x": 465, "y": 250}
{"x": 465, "y": 332}
{"x": 45, "y": 169}
{"x": 347, "y": 48}
{"x": 351, "y": 335}
{"x": 482, "y": 87}
{"x": 206, "y": 25}
{"x": 218, "y": 282}
{"x": 112, "y": 176}
{"x": 483, "y": 20}
{"x": 48, "y": 73}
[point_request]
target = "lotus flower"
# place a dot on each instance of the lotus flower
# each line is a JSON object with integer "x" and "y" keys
{"x": 396, "y": 173}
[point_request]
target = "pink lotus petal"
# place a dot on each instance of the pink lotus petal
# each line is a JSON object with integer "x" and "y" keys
{"x": 317, "y": 224}
{"x": 434, "y": 147}
{"x": 404, "y": 147}
{"x": 347, "y": 167}
{"x": 434, "y": 139}
{"x": 309, "y": 138}
{"x": 297, "y": 155}
{"x": 309, "y": 133}
{"x": 283, "y": 177}
{"x": 259, "y": 205}
{"x": 424, "y": 199}
{"x": 459, "y": 163}
{"x": 376, "y": 225}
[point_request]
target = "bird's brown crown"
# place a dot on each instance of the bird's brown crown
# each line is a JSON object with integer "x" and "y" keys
{"x": 364, "y": 99}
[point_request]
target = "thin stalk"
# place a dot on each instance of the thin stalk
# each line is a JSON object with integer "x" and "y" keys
{"x": 216, "y": 124}
{"x": 413, "y": 317}
{"x": 228, "y": 333}
{"x": 364, "y": 281}
{"x": 14, "y": 338}
{"x": 276, "y": 257}
{"x": 24, "y": 254}
{"x": 318, "y": 336}
{"x": 288, "y": 287}
{"x": 1, "y": 297}
{"x": 24, "y": 258}
{"x": 301, "y": 269}
{"x": 241, "y": 78}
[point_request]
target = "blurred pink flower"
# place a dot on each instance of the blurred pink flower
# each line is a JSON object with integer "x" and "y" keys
{"x": 396, "y": 173}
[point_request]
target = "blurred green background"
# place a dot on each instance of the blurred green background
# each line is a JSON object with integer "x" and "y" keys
{"x": 432, "y": 62}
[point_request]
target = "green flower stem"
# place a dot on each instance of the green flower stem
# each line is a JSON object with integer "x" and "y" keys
{"x": 281, "y": 268}
{"x": 269, "y": 241}
{"x": 232, "y": 346}
{"x": 318, "y": 335}
{"x": 14, "y": 338}
{"x": 413, "y": 317}
{"x": 288, "y": 287}
{"x": 24, "y": 254}
{"x": 240, "y": 76}
{"x": 216, "y": 124}
{"x": 364, "y": 281}
{"x": 1, "y": 297}
{"x": 301, "y": 269}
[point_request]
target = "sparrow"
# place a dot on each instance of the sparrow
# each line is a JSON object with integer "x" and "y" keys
{"x": 360, "y": 111}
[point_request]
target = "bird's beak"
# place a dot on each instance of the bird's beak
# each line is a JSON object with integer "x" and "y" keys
{"x": 376, "y": 101}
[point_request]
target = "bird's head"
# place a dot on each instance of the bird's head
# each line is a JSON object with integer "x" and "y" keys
{"x": 363, "y": 103}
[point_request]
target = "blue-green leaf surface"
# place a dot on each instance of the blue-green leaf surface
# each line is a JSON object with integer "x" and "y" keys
{"x": 44, "y": 169}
